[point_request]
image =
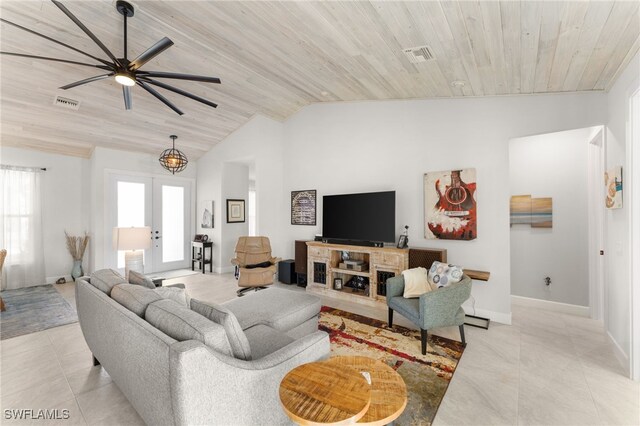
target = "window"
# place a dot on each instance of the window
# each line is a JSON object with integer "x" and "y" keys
{"x": 21, "y": 231}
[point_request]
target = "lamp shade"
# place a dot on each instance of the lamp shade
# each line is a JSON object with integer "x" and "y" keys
{"x": 132, "y": 238}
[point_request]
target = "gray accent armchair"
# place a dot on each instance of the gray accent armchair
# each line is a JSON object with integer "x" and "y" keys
{"x": 437, "y": 308}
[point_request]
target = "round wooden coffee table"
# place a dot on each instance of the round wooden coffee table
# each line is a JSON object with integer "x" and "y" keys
{"x": 388, "y": 390}
{"x": 321, "y": 393}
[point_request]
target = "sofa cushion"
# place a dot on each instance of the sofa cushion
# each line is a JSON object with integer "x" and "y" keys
{"x": 275, "y": 307}
{"x": 105, "y": 279}
{"x": 137, "y": 278}
{"x": 136, "y": 298}
{"x": 221, "y": 315}
{"x": 265, "y": 340}
{"x": 176, "y": 294}
{"x": 183, "y": 324}
{"x": 416, "y": 282}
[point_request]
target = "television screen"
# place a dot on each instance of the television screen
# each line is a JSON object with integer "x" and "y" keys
{"x": 363, "y": 217}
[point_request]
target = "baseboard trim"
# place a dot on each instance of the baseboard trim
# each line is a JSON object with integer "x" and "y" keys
{"x": 501, "y": 317}
{"x": 621, "y": 356}
{"x": 224, "y": 269}
{"x": 548, "y": 305}
{"x": 52, "y": 280}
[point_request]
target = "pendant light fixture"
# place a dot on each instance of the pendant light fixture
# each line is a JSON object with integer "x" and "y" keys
{"x": 173, "y": 159}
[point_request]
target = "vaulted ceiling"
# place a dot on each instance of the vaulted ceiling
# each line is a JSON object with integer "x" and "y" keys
{"x": 276, "y": 57}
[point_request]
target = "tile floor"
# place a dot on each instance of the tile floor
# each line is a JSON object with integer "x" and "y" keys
{"x": 546, "y": 368}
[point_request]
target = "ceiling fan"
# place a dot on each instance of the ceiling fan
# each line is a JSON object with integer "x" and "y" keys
{"x": 125, "y": 72}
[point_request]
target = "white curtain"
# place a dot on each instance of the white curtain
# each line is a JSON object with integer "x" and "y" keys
{"x": 21, "y": 231}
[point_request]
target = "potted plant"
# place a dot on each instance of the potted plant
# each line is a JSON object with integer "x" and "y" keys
{"x": 76, "y": 247}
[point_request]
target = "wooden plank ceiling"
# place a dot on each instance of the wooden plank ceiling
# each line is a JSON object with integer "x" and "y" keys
{"x": 276, "y": 57}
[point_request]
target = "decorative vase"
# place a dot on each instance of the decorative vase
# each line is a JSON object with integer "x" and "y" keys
{"x": 76, "y": 272}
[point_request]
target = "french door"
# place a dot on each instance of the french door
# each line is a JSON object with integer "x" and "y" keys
{"x": 163, "y": 204}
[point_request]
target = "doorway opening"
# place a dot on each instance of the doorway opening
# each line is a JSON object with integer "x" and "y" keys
{"x": 251, "y": 209}
{"x": 634, "y": 219}
{"x": 557, "y": 221}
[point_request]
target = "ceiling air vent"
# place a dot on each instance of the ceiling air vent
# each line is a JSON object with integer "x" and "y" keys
{"x": 66, "y": 103}
{"x": 418, "y": 54}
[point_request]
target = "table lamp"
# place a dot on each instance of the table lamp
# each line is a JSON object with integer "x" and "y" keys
{"x": 134, "y": 241}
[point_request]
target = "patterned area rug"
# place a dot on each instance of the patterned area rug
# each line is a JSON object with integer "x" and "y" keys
{"x": 32, "y": 309}
{"x": 426, "y": 376}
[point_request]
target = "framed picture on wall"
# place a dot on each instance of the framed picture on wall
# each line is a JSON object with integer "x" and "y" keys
{"x": 303, "y": 207}
{"x": 205, "y": 214}
{"x": 613, "y": 182}
{"x": 235, "y": 211}
{"x": 450, "y": 205}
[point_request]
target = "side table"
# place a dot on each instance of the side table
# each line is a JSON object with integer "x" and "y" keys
{"x": 331, "y": 393}
{"x": 199, "y": 255}
{"x": 320, "y": 393}
{"x": 388, "y": 390}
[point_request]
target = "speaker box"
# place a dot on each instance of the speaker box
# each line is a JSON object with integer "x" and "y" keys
{"x": 286, "y": 273}
{"x": 301, "y": 257}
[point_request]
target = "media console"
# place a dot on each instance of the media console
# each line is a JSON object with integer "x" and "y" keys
{"x": 323, "y": 267}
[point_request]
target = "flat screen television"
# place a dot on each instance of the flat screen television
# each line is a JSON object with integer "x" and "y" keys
{"x": 367, "y": 217}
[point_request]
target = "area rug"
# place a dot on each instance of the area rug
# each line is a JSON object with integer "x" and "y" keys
{"x": 32, "y": 309}
{"x": 426, "y": 376}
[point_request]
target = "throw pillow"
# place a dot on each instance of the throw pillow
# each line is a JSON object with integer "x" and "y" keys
{"x": 183, "y": 324}
{"x": 443, "y": 275}
{"x": 415, "y": 282}
{"x": 221, "y": 315}
{"x": 176, "y": 294}
{"x": 141, "y": 279}
{"x": 136, "y": 298}
{"x": 105, "y": 279}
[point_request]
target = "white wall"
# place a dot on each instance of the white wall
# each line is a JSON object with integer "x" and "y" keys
{"x": 65, "y": 203}
{"x": 375, "y": 146}
{"x": 371, "y": 146}
{"x": 258, "y": 142}
{"x": 552, "y": 165}
{"x": 617, "y": 222}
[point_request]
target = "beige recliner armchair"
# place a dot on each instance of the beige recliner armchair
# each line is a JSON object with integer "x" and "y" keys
{"x": 255, "y": 267}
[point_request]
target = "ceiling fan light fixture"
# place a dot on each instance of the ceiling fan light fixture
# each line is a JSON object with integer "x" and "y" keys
{"x": 173, "y": 159}
{"x": 125, "y": 72}
{"x": 125, "y": 78}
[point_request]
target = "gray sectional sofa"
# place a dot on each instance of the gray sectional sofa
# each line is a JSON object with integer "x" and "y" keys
{"x": 201, "y": 363}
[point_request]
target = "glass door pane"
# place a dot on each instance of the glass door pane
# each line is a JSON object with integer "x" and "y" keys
{"x": 172, "y": 223}
{"x": 129, "y": 203}
{"x": 131, "y": 208}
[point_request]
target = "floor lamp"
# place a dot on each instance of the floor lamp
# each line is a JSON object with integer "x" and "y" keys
{"x": 134, "y": 241}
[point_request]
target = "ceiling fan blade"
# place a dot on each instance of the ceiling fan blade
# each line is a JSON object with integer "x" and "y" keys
{"x": 86, "y": 30}
{"x": 160, "y": 97}
{"x": 190, "y": 77}
{"x": 180, "y": 91}
{"x": 126, "y": 93}
{"x": 46, "y": 58}
{"x": 87, "y": 80}
{"x": 150, "y": 53}
{"x": 55, "y": 41}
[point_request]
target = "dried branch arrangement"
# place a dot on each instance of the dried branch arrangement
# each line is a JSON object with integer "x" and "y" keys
{"x": 77, "y": 245}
